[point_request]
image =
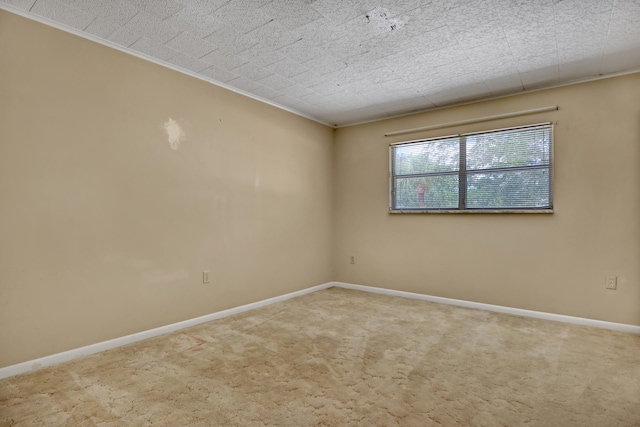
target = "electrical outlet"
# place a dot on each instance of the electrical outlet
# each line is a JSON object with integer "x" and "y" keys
{"x": 611, "y": 282}
{"x": 352, "y": 260}
{"x": 205, "y": 277}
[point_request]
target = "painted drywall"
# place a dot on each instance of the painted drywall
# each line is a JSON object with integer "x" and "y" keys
{"x": 554, "y": 263}
{"x": 121, "y": 181}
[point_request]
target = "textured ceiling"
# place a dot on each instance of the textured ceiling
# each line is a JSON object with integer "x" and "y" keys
{"x": 348, "y": 61}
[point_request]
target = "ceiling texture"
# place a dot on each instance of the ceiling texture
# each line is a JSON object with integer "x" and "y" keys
{"x": 341, "y": 62}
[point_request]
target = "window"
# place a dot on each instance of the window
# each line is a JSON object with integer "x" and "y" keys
{"x": 505, "y": 170}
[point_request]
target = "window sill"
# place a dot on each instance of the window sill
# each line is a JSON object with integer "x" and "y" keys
{"x": 473, "y": 211}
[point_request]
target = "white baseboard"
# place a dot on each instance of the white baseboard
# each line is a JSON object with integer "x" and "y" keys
{"x": 622, "y": 327}
{"x": 77, "y": 353}
{"x": 66, "y": 356}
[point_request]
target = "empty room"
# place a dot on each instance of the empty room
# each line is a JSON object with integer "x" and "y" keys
{"x": 320, "y": 213}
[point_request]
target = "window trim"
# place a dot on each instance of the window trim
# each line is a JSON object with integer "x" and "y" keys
{"x": 463, "y": 176}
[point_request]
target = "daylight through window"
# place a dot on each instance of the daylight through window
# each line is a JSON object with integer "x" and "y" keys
{"x": 505, "y": 170}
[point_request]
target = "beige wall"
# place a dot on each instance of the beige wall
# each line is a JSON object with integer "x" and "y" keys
{"x": 555, "y": 263}
{"x": 105, "y": 229}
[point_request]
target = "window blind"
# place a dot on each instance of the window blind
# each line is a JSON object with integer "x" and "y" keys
{"x": 504, "y": 169}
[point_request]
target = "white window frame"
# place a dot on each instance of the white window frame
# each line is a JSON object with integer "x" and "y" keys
{"x": 462, "y": 174}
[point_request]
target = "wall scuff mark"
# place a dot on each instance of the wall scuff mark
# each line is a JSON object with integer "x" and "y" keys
{"x": 174, "y": 132}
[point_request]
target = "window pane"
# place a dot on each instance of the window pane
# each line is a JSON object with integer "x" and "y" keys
{"x": 513, "y": 148}
{"x": 506, "y": 170}
{"x": 434, "y": 192}
{"x": 513, "y": 189}
{"x": 426, "y": 157}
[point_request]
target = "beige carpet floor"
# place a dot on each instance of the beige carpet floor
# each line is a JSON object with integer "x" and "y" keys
{"x": 345, "y": 358}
